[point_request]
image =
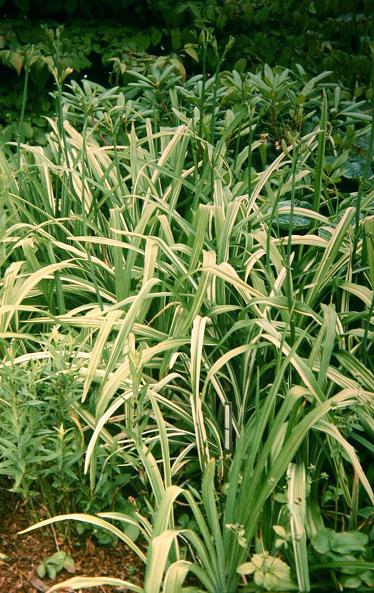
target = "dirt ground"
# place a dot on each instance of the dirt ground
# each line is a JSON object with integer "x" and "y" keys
{"x": 21, "y": 554}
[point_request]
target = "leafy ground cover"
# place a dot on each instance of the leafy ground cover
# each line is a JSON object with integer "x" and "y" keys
{"x": 186, "y": 325}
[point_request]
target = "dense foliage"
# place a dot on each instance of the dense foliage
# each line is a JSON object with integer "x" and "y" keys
{"x": 334, "y": 35}
{"x": 177, "y": 250}
{"x": 187, "y": 290}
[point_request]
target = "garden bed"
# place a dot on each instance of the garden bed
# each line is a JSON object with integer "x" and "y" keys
{"x": 25, "y": 552}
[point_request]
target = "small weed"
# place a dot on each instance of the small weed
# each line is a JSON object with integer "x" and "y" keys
{"x": 54, "y": 564}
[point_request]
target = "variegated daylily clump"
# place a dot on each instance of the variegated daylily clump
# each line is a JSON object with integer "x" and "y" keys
{"x": 200, "y": 299}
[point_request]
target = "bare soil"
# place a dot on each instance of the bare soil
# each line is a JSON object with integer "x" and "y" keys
{"x": 21, "y": 554}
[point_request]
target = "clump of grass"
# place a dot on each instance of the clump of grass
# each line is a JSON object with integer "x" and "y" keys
{"x": 194, "y": 272}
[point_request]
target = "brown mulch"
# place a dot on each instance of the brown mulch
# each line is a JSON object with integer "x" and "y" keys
{"x": 24, "y": 552}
